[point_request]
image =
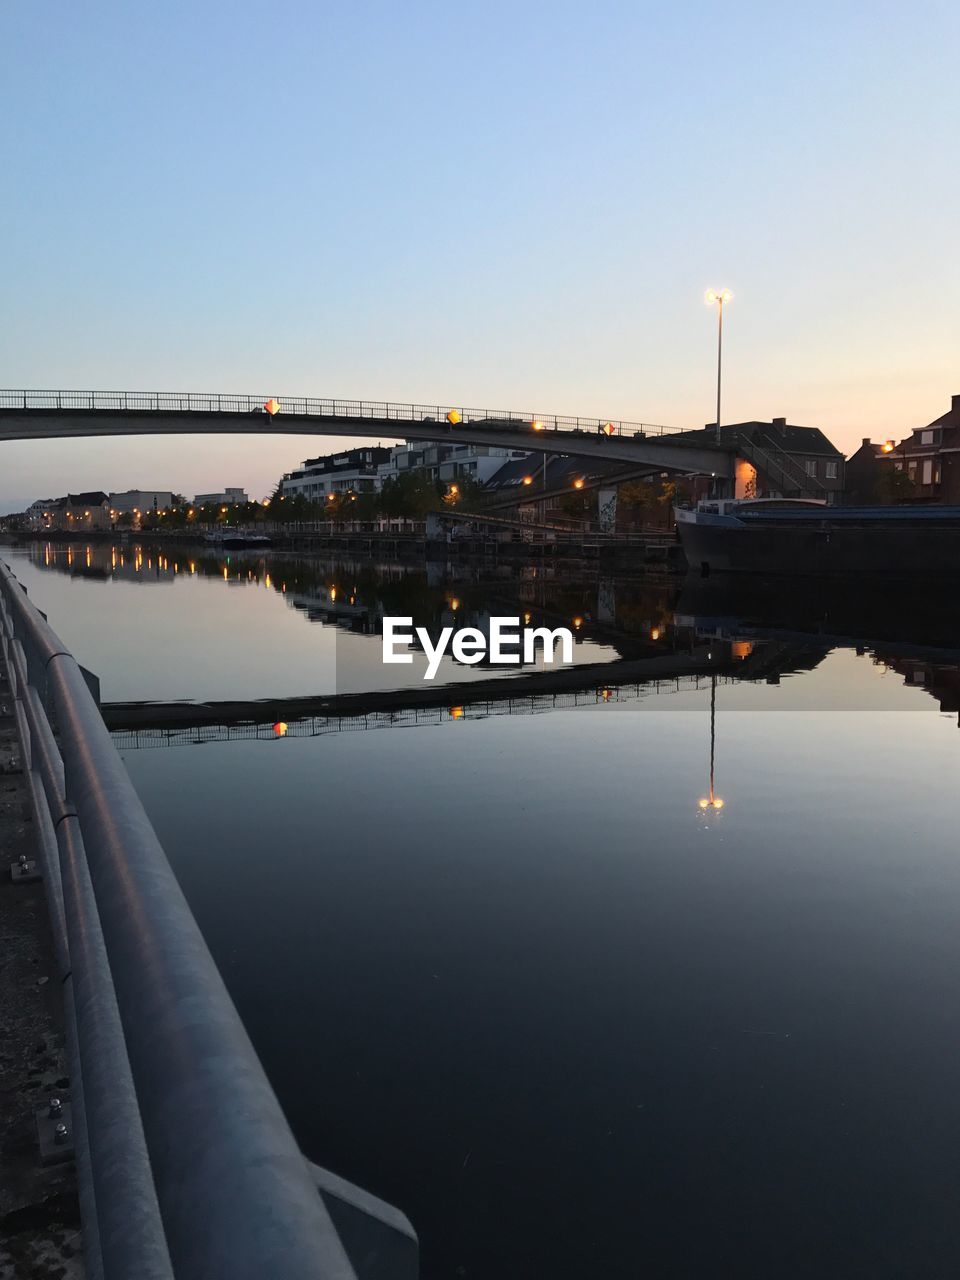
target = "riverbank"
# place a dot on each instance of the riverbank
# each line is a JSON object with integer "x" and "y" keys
{"x": 39, "y": 1213}
{"x": 509, "y": 545}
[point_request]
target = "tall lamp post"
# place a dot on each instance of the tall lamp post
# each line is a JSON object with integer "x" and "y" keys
{"x": 719, "y": 296}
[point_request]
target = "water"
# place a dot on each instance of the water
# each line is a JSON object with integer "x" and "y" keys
{"x": 507, "y": 973}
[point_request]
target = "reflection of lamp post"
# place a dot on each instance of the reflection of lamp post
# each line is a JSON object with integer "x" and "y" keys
{"x": 713, "y": 801}
{"x": 719, "y": 296}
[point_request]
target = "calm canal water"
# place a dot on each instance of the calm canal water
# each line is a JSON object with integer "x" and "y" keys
{"x": 504, "y": 971}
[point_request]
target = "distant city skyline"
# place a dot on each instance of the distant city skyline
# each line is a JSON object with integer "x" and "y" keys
{"x": 495, "y": 206}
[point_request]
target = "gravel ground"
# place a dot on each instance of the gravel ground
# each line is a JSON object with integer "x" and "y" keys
{"x": 39, "y": 1216}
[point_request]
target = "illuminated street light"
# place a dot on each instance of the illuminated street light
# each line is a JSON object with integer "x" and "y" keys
{"x": 538, "y": 426}
{"x": 578, "y": 483}
{"x": 528, "y": 479}
{"x": 887, "y": 446}
{"x": 718, "y": 297}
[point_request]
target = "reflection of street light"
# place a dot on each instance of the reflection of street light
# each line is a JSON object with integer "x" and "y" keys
{"x": 713, "y": 801}
{"x": 719, "y": 296}
{"x": 578, "y": 483}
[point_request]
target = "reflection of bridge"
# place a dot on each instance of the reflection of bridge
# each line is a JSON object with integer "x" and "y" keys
{"x": 38, "y": 415}
{"x": 317, "y": 726}
{"x": 539, "y": 690}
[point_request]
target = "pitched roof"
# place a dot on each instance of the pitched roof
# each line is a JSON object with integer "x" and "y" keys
{"x": 792, "y": 439}
{"x": 93, "y": 499}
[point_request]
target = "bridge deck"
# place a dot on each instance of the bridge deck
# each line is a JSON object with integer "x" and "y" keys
{"x": 37, "y": 415}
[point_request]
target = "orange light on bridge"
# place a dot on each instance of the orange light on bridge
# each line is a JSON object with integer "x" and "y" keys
{"x": 609, "y": 429}
{"x": 280, "y": 728}
{"x": 453, "y": 417}
{"x": 272, "y": 406}
{"x": 538, "y": 426}
{"x": 456, "y": 713}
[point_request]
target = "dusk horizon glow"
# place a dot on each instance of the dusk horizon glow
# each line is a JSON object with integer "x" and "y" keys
{"x": 450, "y": 206}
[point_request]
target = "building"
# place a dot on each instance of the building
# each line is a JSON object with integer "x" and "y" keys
{"x": 228, "y": 498}
{"x": 930, "y": 457}
{"x": 862, "y": 472}
{"x": 928, "y": 460}
{"x": 354, "y": 471}
{"x": 77, "y": 512}
{"x": 44, "y": 513}
{"x": 139, "y": 500}
{"x": 367, "y": 470}
{"x": 777, "y": 459}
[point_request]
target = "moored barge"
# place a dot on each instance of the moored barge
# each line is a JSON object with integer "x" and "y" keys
{"x": 806, "y": 536}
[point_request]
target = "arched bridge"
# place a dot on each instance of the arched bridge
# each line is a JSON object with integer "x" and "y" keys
{"x": 44, "y": 415}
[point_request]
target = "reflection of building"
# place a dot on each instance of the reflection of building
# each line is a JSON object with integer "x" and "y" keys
{"x": 228, "y": 498}
{"x": 940, "y": 679}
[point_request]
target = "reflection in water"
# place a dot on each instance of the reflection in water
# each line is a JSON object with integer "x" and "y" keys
{"x": 568, "y": 1030}
{"x": 712, "y": 800}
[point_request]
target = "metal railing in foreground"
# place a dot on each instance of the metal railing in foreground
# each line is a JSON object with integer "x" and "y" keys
{"x": 186, "y": 1165}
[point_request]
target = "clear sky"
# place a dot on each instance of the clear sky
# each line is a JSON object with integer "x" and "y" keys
{"x": 513, "y": 205}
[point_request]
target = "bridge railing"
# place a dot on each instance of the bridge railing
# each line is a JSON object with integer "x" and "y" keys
{"x": 306, "y": 406}
{"x": 186, "y": 1166}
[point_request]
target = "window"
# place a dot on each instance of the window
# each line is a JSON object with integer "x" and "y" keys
{"x": 926, "y": 437}
{"x": 810, "y": 466}
{"x": 927, "y": 471}
{"x": 832, "y": 470}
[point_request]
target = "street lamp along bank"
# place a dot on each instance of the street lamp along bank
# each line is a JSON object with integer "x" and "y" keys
{"x": 718, "y": 297}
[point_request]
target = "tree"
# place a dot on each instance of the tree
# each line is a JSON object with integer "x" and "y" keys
{"x": 894, "y": 485}
{"x": 412, "y": 494}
